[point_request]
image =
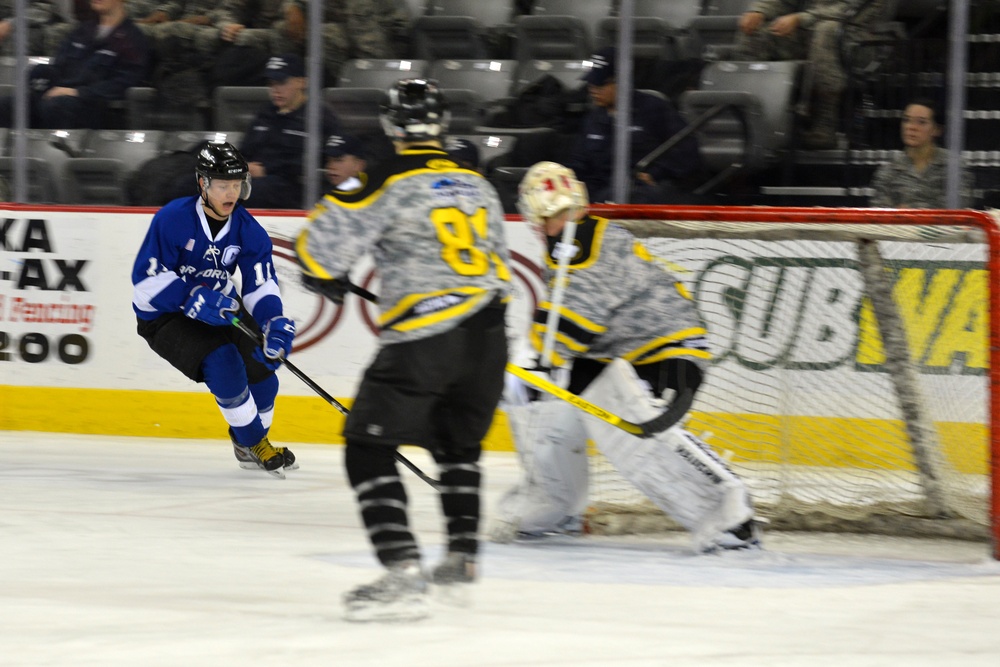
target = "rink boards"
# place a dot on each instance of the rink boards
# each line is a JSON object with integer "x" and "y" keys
{"x": 72, "y": 362}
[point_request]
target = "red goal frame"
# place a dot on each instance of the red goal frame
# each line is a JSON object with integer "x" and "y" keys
{"x": 868, "y": 216}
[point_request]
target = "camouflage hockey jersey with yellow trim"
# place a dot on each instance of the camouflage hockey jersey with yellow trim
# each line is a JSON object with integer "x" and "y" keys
{"x": 435, "y": 231}
{"x": 619, "y": 301}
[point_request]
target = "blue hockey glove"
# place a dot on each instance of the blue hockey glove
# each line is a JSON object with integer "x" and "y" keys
{"x": 209, "y": 306}
{"x": 278, "y": 335}
{"x": 333, "y": 289}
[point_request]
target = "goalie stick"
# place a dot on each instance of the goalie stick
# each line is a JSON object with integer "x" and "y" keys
{"x": 332, "y": 401}
{"x": 647, "y": 429}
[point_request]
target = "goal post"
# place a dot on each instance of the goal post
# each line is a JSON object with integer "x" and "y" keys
{"x": 856, "y": 367}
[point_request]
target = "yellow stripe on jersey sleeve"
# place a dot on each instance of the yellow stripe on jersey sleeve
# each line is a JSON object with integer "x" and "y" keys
{"x": 305, "y": 259}
{"x": 662, "y": 341}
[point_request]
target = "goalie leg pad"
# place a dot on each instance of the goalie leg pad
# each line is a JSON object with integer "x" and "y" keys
{"x": 552, "y": 445}
{"x": 674, "y": 469}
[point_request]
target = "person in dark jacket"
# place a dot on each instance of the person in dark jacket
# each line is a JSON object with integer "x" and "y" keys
{"x": 654, "y": 121}
{"x": 274, "y": 144}
{"x": 95, "y": 64}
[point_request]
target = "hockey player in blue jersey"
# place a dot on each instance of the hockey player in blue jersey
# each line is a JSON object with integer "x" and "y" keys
{"x": 184, "y": 296}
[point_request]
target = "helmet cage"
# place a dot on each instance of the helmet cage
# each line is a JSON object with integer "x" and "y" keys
{"x": 548, "y": 189}
{"x": 414, "y": 110}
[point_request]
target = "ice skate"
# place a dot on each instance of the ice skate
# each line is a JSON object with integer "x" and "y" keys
{"x": 289, "y": 458}
{"x": 262, "y": 455}
{"x": 455, "y": 568}
{"x": 451, "y": 578}
{"x": 247, "y": 462}
{"x": 399, "y": 595}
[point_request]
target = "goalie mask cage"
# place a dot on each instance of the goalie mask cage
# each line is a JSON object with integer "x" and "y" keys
{"x": 854, "y": 379}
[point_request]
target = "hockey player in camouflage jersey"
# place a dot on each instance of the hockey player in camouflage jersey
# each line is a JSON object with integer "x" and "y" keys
{"x": 617, "y": 301}
{"x": 436, "y": 233}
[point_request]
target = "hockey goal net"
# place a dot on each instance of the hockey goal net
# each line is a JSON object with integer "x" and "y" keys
{"x": 856, "y": 354}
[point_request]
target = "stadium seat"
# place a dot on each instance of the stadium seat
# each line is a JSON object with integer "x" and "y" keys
{"x": 133, "y": 147}
{"x": 744, "y": 113}
{"x": 42, "y": 187}
{"x": 96, "y": 181}
{"x": 659, "y": 28}
{"x": 437, "y": 37}
{"x": 549, "y": 37}
{"x": 378, "y": 73}
{"x": 172, "y": 142}
{"x": 356, "y": 108}
{"x": 492, "y": 80}
{"x": 490, "y": 146}
{"x": 569, "y": 72}
{"x": 145, "y": 111}
{"x": 47, "y": 153}
{"x": 234, "y": 107}
{"x": 467, "y": 109}
{"x": 489, "y": 14}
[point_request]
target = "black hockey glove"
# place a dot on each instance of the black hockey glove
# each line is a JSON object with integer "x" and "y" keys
{"x": 333, "y": 289}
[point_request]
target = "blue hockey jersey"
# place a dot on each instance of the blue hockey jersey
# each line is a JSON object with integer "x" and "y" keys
{"x": 179, "y": 253}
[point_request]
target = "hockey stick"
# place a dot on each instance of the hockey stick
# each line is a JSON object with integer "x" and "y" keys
{"x": 332, "y": 401}
{"x": 661, "y": 423}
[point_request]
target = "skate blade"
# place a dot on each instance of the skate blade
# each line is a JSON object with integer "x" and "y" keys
{"x": 294, "y": 466}
{"x": 402, "y": 611}
{"x": 279, "y": 473}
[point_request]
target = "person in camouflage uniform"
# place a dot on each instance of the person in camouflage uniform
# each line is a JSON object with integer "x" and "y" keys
{"x": 46, "y": 22}
{"x": 436, "y": 232}
{"x": 811, "y": 30}
{"x": 917, "y": 178}
{"x": 188, "y": 24}
{"x": 351, "y": 29}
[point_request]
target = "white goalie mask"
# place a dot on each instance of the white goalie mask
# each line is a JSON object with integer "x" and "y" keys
{"x": 547, "y": 189}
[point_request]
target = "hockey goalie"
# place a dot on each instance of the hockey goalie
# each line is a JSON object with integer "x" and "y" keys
{"x": 624, "y": 334}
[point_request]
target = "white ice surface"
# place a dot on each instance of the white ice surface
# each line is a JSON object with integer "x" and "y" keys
{"x": 118, "y": 552}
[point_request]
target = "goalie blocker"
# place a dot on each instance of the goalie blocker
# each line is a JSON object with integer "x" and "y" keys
{"x": 678, "y": 472}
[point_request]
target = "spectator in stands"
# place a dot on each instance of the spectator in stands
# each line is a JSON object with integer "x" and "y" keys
{"x": 95, "y": 64}
{"x": 191, "y": 21}
{"x": 463, "y": 152}
{"x": 274, "y": 144}
{"x": 350, "y": 29}
{"x": 654, "y": 120}
{"x": 809, "y": 30}
{"x": 917, "y": 178}
{"x": 41, "y": 18}
{"x": 345, "y": 162}
{"x": 396, "y": 23}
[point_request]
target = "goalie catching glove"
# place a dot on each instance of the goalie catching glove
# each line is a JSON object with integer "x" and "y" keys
{"x": 209, "y": 306}
{"x": 278, "y": 333}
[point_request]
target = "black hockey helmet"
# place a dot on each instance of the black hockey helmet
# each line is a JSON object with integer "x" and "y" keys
{"x": 223, "y": 161}
{"x": 414, "y": 110}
